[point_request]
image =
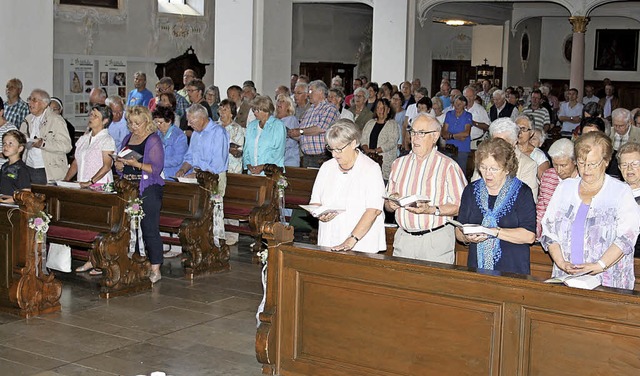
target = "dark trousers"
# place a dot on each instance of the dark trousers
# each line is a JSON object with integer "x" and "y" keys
{"x": 313, "y": 160}
{"x": 151, "y": 204}
{"x": 38, "y": 175}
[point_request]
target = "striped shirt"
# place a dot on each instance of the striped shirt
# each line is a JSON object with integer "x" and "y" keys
{"x": 322, "y": 115}
{"x": 540, "y": 116}
{"x": 15, "y": 113}
{"x": 437, "y": 177}
{"x": 548, "y": 184}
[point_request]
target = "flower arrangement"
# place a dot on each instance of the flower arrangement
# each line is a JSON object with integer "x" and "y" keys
{"x": 108, "y": 187}
{"x": 134, "y": 208}
{"x": 264, "y": 255}
{"x": 40, "y": 223}
{"x": 216, "y": 198}
{"x": 282, "y": 183}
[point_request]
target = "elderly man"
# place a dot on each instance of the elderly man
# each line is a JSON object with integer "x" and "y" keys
{"x": 423, "y": 232}
{"x": 480, "y": 126}
{"x": 187, "y": 76}
{"x": 538, "y": 114}
{"x": 244, "y": 114}
{"x": 248, "y": 93}
{"x": 48, "y": 140}
{"x": 622, "y": 133}
{"x": 97, "y": 96}
{"x": 166, "y": 85}
{"x": 570, "y": 113}
{"x": 15, "y": 109}
{"x": 609, "y": 102}
{"x": 118, "y": 129}
{"x": 501, "y": 108}
{"x": 347, "y": 100}
{"x": 140, "y": 96}
{"x": 409, "y": 99}
{"x": 315, "y": 122}
{"x": 485, "y": 95}
{"x": 195, "y": 91}
{"x": 209, "y": 146}
{"x": 588, "y": 95}
{"x": 445, "y": 94}
{"x": 301, "y": 99}
{"x": 508, "y": 130}
{"x": 415, "y": 84}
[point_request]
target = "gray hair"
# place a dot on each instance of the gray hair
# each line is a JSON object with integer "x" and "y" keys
{"x": 342, "y": 132}
{"x": 140, "y": 74}
{"x": 498, "y": 93}
{"x": 505, "y": 125}
{"x": 44, "y": 96}
{"x": 198, "y": 110}
{"x": 363, "y": 91}
{"x": 337, "y": 92}
{"x": 563, "y": 148}
{"x": 114, "y": 100}
{"x": 621, "y": 114}
{"x": 543, "y": 134}
{"x": 470, "y": 87}
{"x": 303, "y": 85}
{"x": 423, "y": 90}
{"x": 319, "y": 84}
{"x": 628, "y": 148}
{"x": 430, "y": 119}
{"x": 524, "y": 119}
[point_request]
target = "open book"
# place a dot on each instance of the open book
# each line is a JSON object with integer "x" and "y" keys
{"x": 317, "y": 211}
{"x": 407, "y": 200}
{"x": 472, "y": 228}
{"x": 68, "y": 184}
{"x": 127, "y": 153}
{"x": 581, "y": 280}
{"x": 183, "y": 179}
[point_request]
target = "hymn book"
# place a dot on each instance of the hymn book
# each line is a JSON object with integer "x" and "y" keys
{"x": 127, "y": 153}
{"x": 582, "y": 280}
{"x": 407, "y": 201}
{"x": 320, "y": 210}
{"x": 470, "y": 228}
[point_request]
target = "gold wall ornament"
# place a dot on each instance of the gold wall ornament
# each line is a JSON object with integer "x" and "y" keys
{"x": 579, "y": 23}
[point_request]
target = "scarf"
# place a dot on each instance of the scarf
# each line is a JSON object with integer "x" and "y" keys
{"x": 489, "y": 251}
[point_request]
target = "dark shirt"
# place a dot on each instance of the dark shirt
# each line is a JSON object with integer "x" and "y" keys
{"x": 375, "y": 133}
{"x": 130, "y": 170}
{"x": 515, "y": 257}
{"x": 14, "y": 177}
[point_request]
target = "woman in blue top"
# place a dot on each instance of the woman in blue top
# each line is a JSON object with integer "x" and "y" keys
{"x": 144, "y": 140}
{"x": 265, "y": 137}
{"x": 456, "y": 130}
{"x": 286, "y": 111}
{"x": 173, "y": 139}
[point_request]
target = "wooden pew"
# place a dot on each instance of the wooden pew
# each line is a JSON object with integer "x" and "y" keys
{"x": 187, "y": 211}
{"x": 328, "y": 313}
{"x": 24, "y": 289}
{"x": 300, "y": 180}
{"x": 252, "y": 200}
{"x": 96, "y": 222}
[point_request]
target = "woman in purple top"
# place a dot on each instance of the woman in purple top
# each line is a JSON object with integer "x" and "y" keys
{"x": 456, "y": 130}
{"x": 144, "y": 140}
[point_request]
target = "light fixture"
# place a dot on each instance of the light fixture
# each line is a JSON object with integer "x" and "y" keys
{"x": 452, "y": 22}
{"x": 455, "y": 22}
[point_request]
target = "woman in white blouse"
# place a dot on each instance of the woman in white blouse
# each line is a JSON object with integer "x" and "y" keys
{"x": 526, "y": 147}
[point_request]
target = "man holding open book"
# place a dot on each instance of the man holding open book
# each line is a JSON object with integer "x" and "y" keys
{"x": 423, "y": 232}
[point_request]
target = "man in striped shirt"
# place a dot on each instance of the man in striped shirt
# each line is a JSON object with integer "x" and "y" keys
{"x": 423, "y": 231}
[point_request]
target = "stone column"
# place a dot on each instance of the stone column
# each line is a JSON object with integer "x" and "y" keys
{"x": 579, "y": 24}
{"x": 389, "y": 41}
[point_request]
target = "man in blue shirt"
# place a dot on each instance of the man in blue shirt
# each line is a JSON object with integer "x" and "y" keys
{"x": 209, "y": 147}
{"x": 140, "y": 96}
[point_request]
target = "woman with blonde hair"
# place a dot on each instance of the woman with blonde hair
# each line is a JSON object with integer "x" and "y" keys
{"x": 286, "y": 112}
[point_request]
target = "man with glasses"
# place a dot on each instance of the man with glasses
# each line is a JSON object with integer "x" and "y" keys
{"x": 167, "y": 86}
{"x": 48, "y": 140}
{"x": 118, "y": 129}
{"x": 622, "y": 133}
{"x": 423, "y": 232}
{"x": 301, "y": 99}
{"x": 188, "y": 76}
{"x": 316, "y": 121}
{"x": 15, "y": 109}
{"x": 140, "y": 96}
{"x": 195, "y": 91}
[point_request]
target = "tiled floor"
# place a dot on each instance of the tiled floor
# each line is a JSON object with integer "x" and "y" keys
{"x": 201, "y": 327}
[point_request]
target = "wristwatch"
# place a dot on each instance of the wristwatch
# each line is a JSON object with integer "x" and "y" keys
{"x": 301, "y": 131}
{"x": 570, "y": 117}
{"x": 437, "y": 212}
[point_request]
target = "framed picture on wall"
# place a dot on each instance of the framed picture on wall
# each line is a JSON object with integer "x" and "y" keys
{"x": 616, "y": 50}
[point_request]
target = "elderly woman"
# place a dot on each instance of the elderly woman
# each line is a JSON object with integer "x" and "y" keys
{"x": 592, "y": 221}
{"x": 629, "y": 163}
{"x": 438, "y": 109}
{"x": 265, "y": 137}
{"x": 227, "y": 112}
{"x": 380, "y": 136}
{"x": 351, "y": 182}
{"x": 286, "y": 112}
{"x": 212, "y": 96}
{"x": 456, "y": 130}
{"x": 359, "y": 109}
{"x": 538, "y": 138}
{"x": 144, "y": 140}
{"x": 56, "y": 106}
{"x": 173, "y": 139}
{"x": 564, "y": 167}
{"x": 526, "y": 147}
{"x": 502, "y": 203}
{"x": 372, "y": 99}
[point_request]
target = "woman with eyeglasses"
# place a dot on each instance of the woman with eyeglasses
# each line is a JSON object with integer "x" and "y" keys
{"x": 629, "y": 163}
{"x": 592, "y": 221}
{"x": 502, "y": 203}
{"x": 173, "y": 139}
{"x": 350, "y": 186}
{"x": 265, "y": 137}
{"x": 525, "y": 135}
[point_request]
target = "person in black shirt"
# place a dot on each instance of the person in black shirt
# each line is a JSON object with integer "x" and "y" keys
{"x": 14, "y": 174}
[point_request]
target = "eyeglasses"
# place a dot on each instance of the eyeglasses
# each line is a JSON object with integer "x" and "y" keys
{"x": 192, "y": 90}
{"x": 584, "y": 164}
{"x": 419, "y": 134}
{"x": 492, "y": 170}
{"x": 632, "y": 164}
{"x": 523, "y": 130}
{"x": 337, "y": 150}
{"x": 32, "y": 99}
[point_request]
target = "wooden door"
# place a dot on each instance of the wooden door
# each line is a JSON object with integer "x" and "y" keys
{"x": 325, "y": 71}
{"x": 459, "y": 72}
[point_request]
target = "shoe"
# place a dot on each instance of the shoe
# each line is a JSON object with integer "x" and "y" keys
{"x": 172, "y": 254}
{"x": 84, "y": 268}
{"x": 95, "y": 272}
{"x": 155, "y": 277}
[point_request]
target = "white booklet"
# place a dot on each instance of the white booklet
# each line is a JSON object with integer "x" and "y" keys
{"x": 582, "y": 280}
{"x": 127, "y": 153}
{"x": 182, "y": 179}
{"x": 472, "y": 228}
{"x": 318, "y": 210}
{"x": 405, "y": 201}
{"x": 67, "y": 184}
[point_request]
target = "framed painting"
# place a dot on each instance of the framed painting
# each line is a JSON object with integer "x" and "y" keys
{"x": 616, "y": 50}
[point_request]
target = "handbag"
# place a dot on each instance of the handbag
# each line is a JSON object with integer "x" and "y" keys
{"x": 59, "y": 257}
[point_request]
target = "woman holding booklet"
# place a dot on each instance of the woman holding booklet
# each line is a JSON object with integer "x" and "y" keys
{"x": 504, "y": 206}
{"x": 351, "y": 184}
{"x": 592, "y": 221}
{"x": 92, "y": 162}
